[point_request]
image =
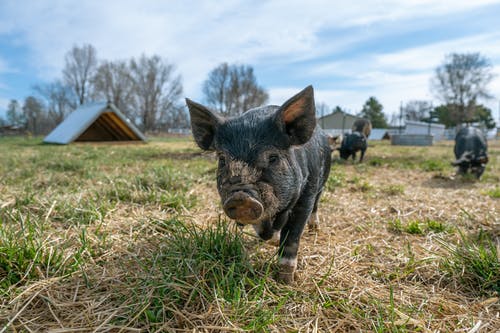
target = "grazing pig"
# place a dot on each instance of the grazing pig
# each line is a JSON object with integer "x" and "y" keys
{"x": 471, "y": 151}
{"x": 351, "y": 144}
{"x": 362, "y": 126}
{"x": 273, "y": 162}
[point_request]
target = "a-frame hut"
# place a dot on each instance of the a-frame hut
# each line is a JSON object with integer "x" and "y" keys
{"x": 95, "y": 122}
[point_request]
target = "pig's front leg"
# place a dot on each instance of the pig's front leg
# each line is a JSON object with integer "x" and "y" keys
{"x": 290, "y": 238}
{"x": 362, "y": 155}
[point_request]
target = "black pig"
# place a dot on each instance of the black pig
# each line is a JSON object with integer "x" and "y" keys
{"x": 471, "y": 151}
{"x": 351, "y": 144}
{"x": 273, "y": 164}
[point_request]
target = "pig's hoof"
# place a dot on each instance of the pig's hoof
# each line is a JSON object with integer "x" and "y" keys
{"x": 313, "y": 223}
{"x": 313, "y": 226}
{"x": 286, "y": 274}
{"x": 275, "y": 240}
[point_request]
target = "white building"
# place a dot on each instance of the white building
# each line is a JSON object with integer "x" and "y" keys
{"x": 418, "y": 127}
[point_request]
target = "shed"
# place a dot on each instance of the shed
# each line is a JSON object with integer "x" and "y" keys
{"x": 11, "y": 130}
{"x": 337, "y": 120}
{"x": 95, "y": 122}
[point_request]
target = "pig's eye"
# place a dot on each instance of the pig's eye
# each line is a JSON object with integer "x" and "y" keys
{"x": 222, "y": 161}
{"x": 273, "y": 159}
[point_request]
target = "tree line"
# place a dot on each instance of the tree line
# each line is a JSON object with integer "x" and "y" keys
{"x": 459, "y": 83}
{"x": 148, "y": 90}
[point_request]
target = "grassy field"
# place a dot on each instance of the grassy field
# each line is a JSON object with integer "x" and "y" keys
{"x": 132, "y": 238}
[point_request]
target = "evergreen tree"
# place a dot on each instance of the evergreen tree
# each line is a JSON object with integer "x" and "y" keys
{"x": 372, "y": 110}
{"x": 447, "y": 115}
{"x": 484, "y": 117}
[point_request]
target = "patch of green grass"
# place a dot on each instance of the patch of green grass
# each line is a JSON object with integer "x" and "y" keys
{"x": 418, "y": 227}
{"x": 494, "y": 193}
{"x": 488, "y": 177}
{"x": 81, "y": 212}
{"x": 376, "y": 161}
{"x": 436, "y": 226}
{"x": 162, "y": 185}
{"x": 365, "y": 186}
{"x": 66, "y": 165}
{"x": 474, "y": 262}
{"x": 393, "y": 189}
{"x": 26, "y": 253}
{"x": 198, "y": 266}
{"x": 396, "y": 225}
{"x": 335, "y": 179}
{"x": 468, "y": 178}
{"x": 413, "y": 227}
{"x": 433, "y": 165}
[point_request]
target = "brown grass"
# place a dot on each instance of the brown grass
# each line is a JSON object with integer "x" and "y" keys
{"x": 358, "y": 269}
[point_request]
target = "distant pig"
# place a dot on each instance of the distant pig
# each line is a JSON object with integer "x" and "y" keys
{"x": 351, "y": 144}
{"x": 273, "y": 162}
{"x": 471, "y": 151}
{"x": 362, "y": 126}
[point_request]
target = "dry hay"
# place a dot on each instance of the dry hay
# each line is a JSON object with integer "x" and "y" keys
{"x": 354, "y": 258}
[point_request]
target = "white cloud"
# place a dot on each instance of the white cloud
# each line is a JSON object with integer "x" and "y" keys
{"x": 403, "y": 75}
{"x": 198, "y": 35}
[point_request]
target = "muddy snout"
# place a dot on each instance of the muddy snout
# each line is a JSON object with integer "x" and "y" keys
{"x": 242, "y": 207}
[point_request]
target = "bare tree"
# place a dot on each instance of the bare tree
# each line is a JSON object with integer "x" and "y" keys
{"x": 15, "y": 115}
{"x": 233, "y": 89}
{"x": 113, "y": 82}
{"x": 157, "y": 90}
{"x": 177, "y": 118}
{"x": 59, "y": 99}
{"x": 417, "y": 110}
{"x": 322, "y": 109}
{"x": 460, "y": 81}
{"x": 36, "y": 120}
{"x": 80, "y": 66}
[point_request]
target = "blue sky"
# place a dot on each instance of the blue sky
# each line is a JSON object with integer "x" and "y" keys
{"x": 348, "y": 51}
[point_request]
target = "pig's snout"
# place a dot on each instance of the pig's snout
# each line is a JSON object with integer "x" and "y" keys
{"x": 242, "y": 207}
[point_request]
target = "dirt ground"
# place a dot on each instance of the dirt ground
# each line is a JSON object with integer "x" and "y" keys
{"x": 364, "y": 268}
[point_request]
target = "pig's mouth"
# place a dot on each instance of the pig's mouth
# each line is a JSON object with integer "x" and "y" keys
{"x": 242, "y": 207}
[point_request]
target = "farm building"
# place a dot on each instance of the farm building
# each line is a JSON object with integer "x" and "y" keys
{"x": 11, "y": 130}
{"x": 340, "y": 122}
{"x": 417, "y": 133}
{"x": 418, "y": 127}
{"x": 337, "y": 122}
{"x": 95, "y": 122}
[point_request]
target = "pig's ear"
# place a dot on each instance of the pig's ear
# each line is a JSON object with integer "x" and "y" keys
{"x": 299, "y": 117}
{"x": 203, "y": 124}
